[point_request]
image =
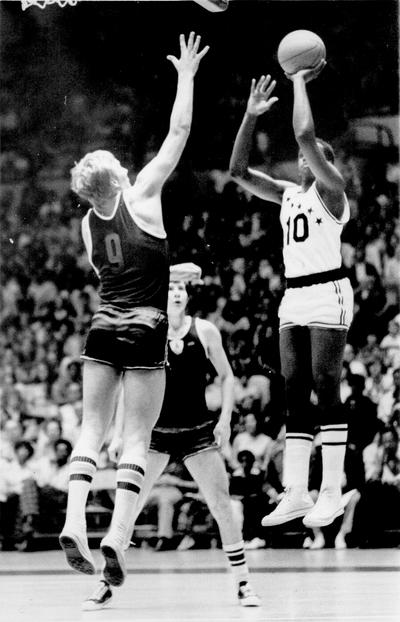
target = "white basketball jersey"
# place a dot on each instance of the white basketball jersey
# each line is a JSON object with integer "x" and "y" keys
{"x": 311, "y": 234}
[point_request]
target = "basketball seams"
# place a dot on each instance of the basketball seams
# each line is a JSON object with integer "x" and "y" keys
{"x": 301, "y": 53}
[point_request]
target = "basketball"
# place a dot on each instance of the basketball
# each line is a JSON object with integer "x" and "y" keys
{"x": 300, "y": 49}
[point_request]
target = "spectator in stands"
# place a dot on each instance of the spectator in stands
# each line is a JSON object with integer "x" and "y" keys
{"x": 52, "y": 474}
{"x": 371, "y": 351}
{"x": 255, "y": 441}
{"x": 167, "y": 493}
{"x": 353, "y": 362}
{"x": 18, "y": 498}
{"x": 390, "y": 400}
{"x": 69, "y": 373}
{"x": 391, "y": 269}
{"x": 369, "y": 300}
{"x": 362, "y": 414}
{"x": 378, "y": 381}
{"x": 390, "y": 344}
{"x": 12, "y": 404}
{"x": 388, "y": 312}
{"x": 49, "y": 435}
{"x": 380, "y": 501}
{"x": 12, "y": 433}
{"x": 249, "y": 502}
{"x": 361, "y": 270}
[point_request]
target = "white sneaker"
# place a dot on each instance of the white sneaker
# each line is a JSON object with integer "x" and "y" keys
{"x": 318, "y": 542}
{"x": 293, "y": 505}
{"x": 340, "y": 542}
{"x": 101, "y": 597}
{"x": 247, "y": 596}
{"x": 328, "y": 507}
{"x": 114, "y": 570}
{"x": 76, "y": 549}
{"x": 255, "y": 543}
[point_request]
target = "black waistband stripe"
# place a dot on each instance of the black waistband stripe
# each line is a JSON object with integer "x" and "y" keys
{"x": 315, "y": 279}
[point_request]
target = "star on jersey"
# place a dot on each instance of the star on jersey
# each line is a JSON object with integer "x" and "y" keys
{"x": 310, "y": 210}
{"x": 318, "y": 221}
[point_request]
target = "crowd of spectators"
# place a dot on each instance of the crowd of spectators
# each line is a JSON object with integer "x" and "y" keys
{"x": 49, "y": 294}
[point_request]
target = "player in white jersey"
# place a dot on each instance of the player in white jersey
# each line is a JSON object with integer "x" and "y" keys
{"x": 317, "y": 307}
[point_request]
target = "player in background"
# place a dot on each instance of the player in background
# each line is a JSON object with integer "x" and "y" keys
{"x": 188, "y": 432}
{"x": 126, "y": 243}
{"x": 317, "y": 307}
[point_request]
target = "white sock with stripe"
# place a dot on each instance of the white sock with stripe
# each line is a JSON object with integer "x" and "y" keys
{"x": 334, "y": 440}
{"x": 297, "y": 461}
{"x": 83, "y": 465}
{"x": 237, "y": 560}
{"x": 129, "y": 482}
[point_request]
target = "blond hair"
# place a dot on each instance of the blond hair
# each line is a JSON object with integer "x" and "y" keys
{"x": 97, "y": 176}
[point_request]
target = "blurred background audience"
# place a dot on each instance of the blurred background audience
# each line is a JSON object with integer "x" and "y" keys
{"x": 48, "y": 291}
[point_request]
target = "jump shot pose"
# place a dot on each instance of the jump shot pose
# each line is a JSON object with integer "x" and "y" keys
{"x": 126, "y": 243}
{"x": 187, "y": 431}
{"x": 317, "y": 307}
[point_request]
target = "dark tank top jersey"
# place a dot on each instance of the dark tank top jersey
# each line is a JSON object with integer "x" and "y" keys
{"x": 184, "y": 403}
{"x": 133, "y": 265}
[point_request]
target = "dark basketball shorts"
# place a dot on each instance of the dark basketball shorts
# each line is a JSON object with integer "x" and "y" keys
{"x": 181, "y": 443}
{"x": 133, "y": 339}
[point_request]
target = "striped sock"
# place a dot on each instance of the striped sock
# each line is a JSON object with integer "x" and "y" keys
{"x": 334, "y": 439}
{"x": 129, "y": 482}
{"x": 297, "y": 461}
{"x": 81, "y": 472}
{"x": 237, "y": 561}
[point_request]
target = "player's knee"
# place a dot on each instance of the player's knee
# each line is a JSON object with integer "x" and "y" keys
{"x": 295, "y": 387}
{"x": 326, "y": 386}
{"x": 137, "y": 441}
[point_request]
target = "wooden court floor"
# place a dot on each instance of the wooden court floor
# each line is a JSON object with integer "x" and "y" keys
{"x": 195, "y": 586}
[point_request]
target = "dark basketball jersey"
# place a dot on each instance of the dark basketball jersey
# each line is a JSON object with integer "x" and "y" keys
{"x": 132, "y": 265}
{"x": 184, "y": 403}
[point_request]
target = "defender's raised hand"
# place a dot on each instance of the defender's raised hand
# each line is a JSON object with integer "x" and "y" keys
{"x": 260, "y": 99}
{"x": 190, "y": 57}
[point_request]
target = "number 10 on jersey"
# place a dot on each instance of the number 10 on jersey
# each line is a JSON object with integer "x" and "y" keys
{"x": 297, "y": 228}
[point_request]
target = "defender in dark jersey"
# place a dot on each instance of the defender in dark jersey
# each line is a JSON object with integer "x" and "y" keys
{"x": 188, "y": 432}
{"x": 126, "y": 243}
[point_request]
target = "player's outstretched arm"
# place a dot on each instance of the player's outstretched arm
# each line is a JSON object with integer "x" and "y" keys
{"x": 155, "y": 173}
{"x": 260, "y": 184}
{"x": 326, "y": 174}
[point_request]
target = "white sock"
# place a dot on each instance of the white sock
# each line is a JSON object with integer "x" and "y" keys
{"x": 237, "y": 560}
{"x": 297, "y": 461}
{"x": 129, "y": 482}
{"x": 81, "y": 472}
{"x": 334, "y": 439}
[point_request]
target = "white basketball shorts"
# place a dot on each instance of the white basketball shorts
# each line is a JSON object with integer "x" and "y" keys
{"x": 325, "y": 305}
